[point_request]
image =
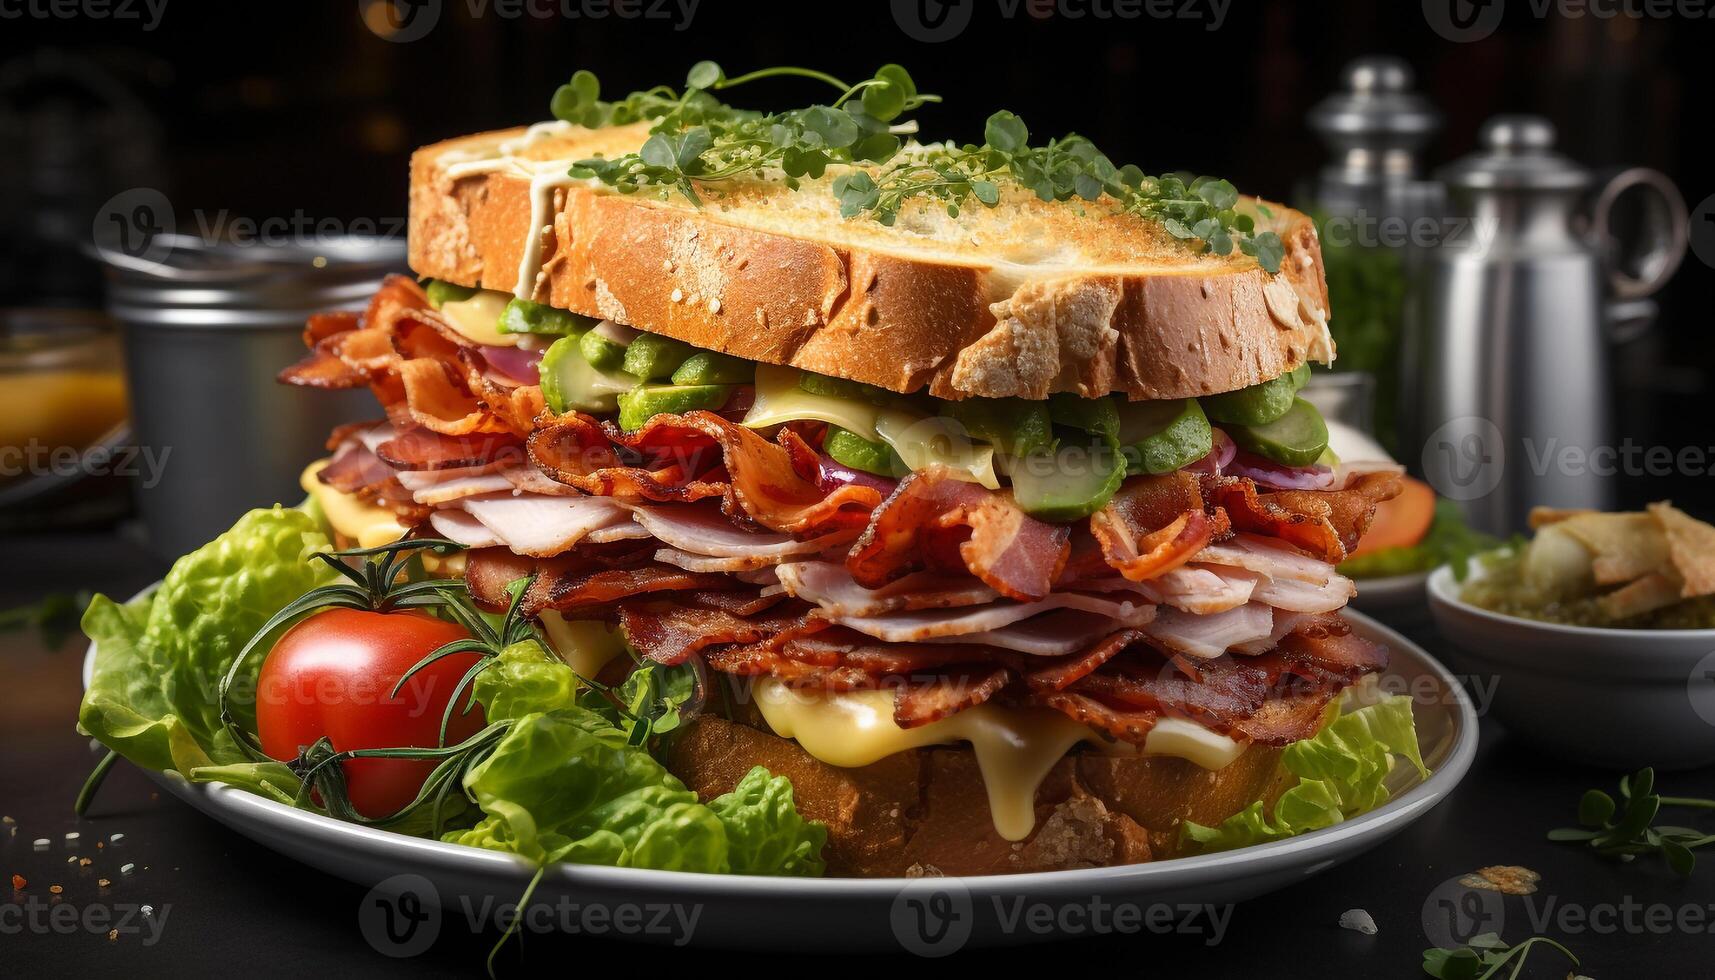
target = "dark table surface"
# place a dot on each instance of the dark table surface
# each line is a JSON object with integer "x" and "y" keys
{"x": 223, "y": 904}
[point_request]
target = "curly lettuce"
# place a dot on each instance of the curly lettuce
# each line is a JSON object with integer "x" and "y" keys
{"x": 567, "y": 783}
{"x": 153, "y": 694}
{"x": 1341, "y": 773}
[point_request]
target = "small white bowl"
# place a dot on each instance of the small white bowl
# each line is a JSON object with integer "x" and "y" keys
{"x": 1625, "y": 698}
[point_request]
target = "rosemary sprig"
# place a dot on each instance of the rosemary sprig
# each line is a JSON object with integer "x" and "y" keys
{"x": 1484, "y": 957}
{"x": 697, "y": 139}
{"x": 1625, "y": 832}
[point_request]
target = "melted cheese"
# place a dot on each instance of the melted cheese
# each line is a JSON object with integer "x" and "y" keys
{"x": 586, "y": 645}
{"x": 919, "y": 440}
{"x": 367, "y": 524}
{"x": 478, "y": 318}
{"x": 1015, "y": 748}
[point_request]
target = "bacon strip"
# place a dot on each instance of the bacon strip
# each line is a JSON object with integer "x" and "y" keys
{"x": 1326, "y": 523}
{"x": 934, "y": 520}
{"x": 922, "y": 703}
{"x": 426, "y": 449}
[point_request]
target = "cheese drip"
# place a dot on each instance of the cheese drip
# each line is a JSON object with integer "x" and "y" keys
{"x": 1015, "y": 748}
{"x": 369, "y": 525}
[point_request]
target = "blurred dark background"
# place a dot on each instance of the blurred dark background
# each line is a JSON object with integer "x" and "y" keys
{"x": 308, "y": 112}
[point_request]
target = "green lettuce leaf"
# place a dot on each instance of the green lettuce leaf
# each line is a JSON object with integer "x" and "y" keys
{"x": 765, "y": 833}
{"x": 153, "y": 695}
{"x": 524, "y": 679}
{"x": 1341, "y": 773}
{"x": 564, "y": 786}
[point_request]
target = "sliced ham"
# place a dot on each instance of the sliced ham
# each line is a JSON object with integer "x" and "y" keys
{"x": 831, "y": 586}
{"x": 924, "y": 624}
{"x": 460, "y": 484}
{"x": 705, "y": 563}
{"x": 1265, "y": 556}
{"x": 701, "y": 529}
{"x": 1204, "y": 591}
{"x": 456, "y": 525}
{"x": 1211, "y": 636}
{"x": 544, "y": 526}
{"x": 1052, "y": 634}
{"x": 1303, "y": 597}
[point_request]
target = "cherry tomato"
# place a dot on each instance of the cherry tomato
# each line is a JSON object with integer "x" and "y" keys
{"x": 331, "y": 675}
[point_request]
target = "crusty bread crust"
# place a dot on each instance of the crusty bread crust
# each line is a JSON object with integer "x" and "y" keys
{"x": 1024, "y": 299}
{"x": 926, "y": 812}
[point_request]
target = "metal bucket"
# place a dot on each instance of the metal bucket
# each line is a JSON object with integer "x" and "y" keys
{"x": 206, "y": 328}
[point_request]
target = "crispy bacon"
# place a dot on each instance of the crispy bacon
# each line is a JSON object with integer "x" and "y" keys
{"x": 924, "y": 702}
{"x": 426, "y": 449}
{"x": 670, "y": 632}
{"x": 575, "y": 450}
{"x": 354, "y": 469}
{"x": 934, "y": 520}
{"x": 1325, "y": 523}
{"x": 1062, "y": 672}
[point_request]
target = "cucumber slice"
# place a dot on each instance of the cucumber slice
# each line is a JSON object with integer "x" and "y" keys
{"x": 709, "y": 368}
{"x": 850, "y": 449}
{"x": 571, "y": 383}
{"x": 1012, "y": 425}
{"x": 821, "y": 384}
{"x": 1068, "y": 483}
{"x": 1098, "y": 415}
{"x": 1254, "y": 405}
{"x": 602, "y": 354}
{"x": 1298, "y": 438}
{"x": 442, "y": 292}
{"x": 1160, "y": 437}
{"x": 646, "y": 401}
{"x": 523, "y": 316}
{"x": 1300, "y": 376}
{"x": 653, "y": 357}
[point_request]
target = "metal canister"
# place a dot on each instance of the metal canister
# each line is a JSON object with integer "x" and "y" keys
{"x": 207, "y": 326}
{"x": 1518, "y": 312}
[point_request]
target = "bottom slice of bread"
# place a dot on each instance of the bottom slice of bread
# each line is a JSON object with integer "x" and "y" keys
{"x": 926, "y": 812}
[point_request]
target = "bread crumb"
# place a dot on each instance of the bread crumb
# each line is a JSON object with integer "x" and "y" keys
{"x": 18, "y": 882}
{"x": 1358, "y": 920}
{"x": 921, "y": 870}
{"x": 714, "y": 305}
{"x": 678, "y": 296}
{"x": 55, "y": 889}
{"x": 1508, "y": 879}
{"x": 113, "y": 935}
{"x": 103, "y": 882}
{"x": 85, "y": 862}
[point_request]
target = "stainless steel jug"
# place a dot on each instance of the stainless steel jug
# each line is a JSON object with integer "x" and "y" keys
{"x": 1520, "y": 299}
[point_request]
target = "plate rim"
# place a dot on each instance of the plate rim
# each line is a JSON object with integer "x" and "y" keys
{"x": 218, "y": 799}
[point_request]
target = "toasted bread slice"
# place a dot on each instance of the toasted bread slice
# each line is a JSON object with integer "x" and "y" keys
{"x": 1025, "y": 298}
{"x": 926, "y": 811}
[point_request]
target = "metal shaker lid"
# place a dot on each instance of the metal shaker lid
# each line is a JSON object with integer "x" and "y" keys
{"x": 1376, "y": 103}
{"x": 1517, "y": 154}
{"x": 186, "y": 281}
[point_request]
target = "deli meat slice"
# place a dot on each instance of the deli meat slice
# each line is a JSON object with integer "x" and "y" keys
{"x": 831, "y": 586}
{"x": 544, "y": 526}
{"x": 1303, "y": 597}
{"x": 1203, "y": 591}
{"x": 705, "y": 563}
{"x": 924, "y": 624}
{"x": 701, "y": 529}
{"x": 454, "y": 485}
{"x": 1211, "y": 636}
{"x": 1052, "y": 634}
{"x": 1267, "y": 557}
{"x": 456, "y": 525}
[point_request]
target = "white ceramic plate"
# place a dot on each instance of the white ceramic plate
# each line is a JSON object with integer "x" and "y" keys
{"x": 930, "y": 915}
{"x": 1394, "y": 593}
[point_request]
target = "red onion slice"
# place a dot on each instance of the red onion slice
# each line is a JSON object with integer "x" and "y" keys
{"x": 515, "y": 363}
{"x": 1266, "y": 473}
{"x": 1219, "y": 455}
{"x": 836, "y": 474}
